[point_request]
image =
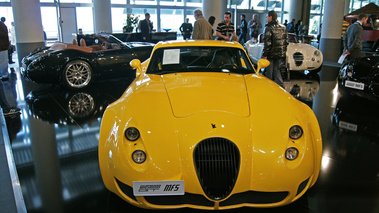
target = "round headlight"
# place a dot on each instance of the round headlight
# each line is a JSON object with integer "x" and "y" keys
{"x": 139, "y": 156}
{"x": 292, "y": 153}
{"x": 295, "y": 132}
{"x": 132, "y": 134}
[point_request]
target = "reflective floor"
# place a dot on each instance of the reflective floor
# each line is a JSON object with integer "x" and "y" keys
{"x": 54, "y": 142}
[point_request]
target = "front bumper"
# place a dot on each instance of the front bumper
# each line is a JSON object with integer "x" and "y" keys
{"x": 248, "y": 198}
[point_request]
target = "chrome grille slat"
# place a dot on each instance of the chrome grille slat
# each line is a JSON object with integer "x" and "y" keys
{"x": 217, "y": 162}
{"x": 298, "y": 58}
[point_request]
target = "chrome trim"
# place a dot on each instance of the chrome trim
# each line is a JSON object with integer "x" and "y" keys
{"x": 19, "y": 199}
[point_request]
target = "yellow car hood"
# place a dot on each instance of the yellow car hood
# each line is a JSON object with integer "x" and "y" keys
{"x": 190, "y": 93}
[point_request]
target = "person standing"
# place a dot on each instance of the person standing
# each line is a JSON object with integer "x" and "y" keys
{"x": 12, "y": 45}
{"x": 146, "y": 26}
{"x": 202, "y": 30}
{"x": 353, "y": 38}
{"x": 4, "y": 46}
{"x": 254, "y": 26}
{"x": 225, "y": 29}
{"x": 275, "y": 38}
{"x": 186, "y": 29}
{"x": 291, "y": 26}
{"x": 243, "y": 29}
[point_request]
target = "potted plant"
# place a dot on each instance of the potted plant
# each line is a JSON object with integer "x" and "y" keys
{"x": 131, "y": 22}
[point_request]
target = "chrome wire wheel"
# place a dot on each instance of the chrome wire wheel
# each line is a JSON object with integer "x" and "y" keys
{"x": 81, "y": 105}
{"x": 77, "y": 74}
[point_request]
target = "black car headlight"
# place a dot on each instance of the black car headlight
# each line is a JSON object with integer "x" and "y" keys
{"x": 132, "y": 134}
{"x": 295, "y": 132}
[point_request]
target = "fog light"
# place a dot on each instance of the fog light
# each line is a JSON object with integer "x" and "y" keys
{"x": 139, "y": 156}
{"x": 292, "y": 153}
{"x": 295, "y": 132}
{"x": 132, "y": 134}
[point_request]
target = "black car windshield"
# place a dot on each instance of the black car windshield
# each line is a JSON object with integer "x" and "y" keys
{"x": 199, "y": 59}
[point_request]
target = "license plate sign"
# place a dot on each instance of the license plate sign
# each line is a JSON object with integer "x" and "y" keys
{"x": 348, "y": 126}
{"x": 158, "y": 188}
{"x": 354, "y": 85}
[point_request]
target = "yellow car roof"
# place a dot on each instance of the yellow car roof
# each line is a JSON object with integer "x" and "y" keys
{"x": 187, "y": 43}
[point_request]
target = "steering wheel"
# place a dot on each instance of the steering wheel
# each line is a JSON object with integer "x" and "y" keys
{"x": 104, "y": 45}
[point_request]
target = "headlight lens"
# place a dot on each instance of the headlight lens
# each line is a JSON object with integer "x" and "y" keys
{"x": 295, "y": 132}
{"x": 292, "y": 153}
{"x": 139, "y": 156}
{"x": 132, "y": 134}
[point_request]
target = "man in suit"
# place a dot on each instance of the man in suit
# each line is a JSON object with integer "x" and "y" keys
{"x": 146, "y": 26}
{"x": 353, "y": 38}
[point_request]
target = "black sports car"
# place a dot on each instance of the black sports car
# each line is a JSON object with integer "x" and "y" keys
{"x": 99, "y": 56}
{"x": 349, "y": 116}
{"x": 360, "y": 77}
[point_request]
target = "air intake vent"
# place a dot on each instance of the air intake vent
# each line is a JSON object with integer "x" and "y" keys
{"x": 298, "y": 58}
{"x": 217, "y": 162}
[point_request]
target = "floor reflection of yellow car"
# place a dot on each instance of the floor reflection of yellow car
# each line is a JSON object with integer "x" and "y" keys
{"x": 199, "y": 127}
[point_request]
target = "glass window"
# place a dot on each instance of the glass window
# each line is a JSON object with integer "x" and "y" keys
{"x": 195, "y": 3}
{"x": 314, "y": 25}
{"x": 189, "y": 15}
{"x": 316, "y": 6}
{"x": 356, "y": 5}
{"x": 274, "y": 5}
{"x": 144, "y": 2}
{"x": 118, "y": 19}
{"x": 241, "y": 4}
{"x": 171, "y": 19}
{"x": 50, "y": 22}
{"x": 258, "y": 4}
{"x": 84, "y": 18}
{"x": 172, "y": 2}
{"x": 75, "y": 1}
{"x": 141, "y": 13}
{"x": 118, "y": 1}
{"x": 8, "y": 14}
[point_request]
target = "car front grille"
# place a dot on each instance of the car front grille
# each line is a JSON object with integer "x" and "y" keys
{"x": 217, "y": 162}
{"x": 298, "y": 58}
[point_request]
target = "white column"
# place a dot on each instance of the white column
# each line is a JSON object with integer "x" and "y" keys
{"x": 215, "y": 8}
{"x": 330, "y": 42}
{"x": 295, "y": 10}
{"x": 102, "y": 16}
{"x": 28, "y": 26}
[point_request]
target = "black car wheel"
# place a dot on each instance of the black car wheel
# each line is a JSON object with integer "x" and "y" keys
{"x": 77, "y": 74}
{"x": 81, "y": 105}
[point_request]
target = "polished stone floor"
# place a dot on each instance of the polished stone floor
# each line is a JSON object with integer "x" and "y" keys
{"x": 54, "y": 143}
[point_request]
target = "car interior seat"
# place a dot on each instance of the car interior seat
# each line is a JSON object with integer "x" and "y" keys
{"x": 83, "y": 42}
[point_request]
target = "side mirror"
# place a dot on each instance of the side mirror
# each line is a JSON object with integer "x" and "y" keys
{"x": 136, "y": 64}
{"x": 262, "y": 63}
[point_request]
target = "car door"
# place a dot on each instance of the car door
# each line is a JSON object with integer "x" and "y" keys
{"x": 114, "y": 63}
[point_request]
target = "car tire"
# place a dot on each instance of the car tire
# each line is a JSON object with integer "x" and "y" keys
{"x": 77, "y": 74}
{"x": 80, "y": 105}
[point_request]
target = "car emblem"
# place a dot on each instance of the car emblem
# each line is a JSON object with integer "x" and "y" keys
{"x": 213, "y": 126}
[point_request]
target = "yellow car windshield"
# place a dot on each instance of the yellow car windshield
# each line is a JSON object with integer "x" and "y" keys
{"x": 199, "y": 59}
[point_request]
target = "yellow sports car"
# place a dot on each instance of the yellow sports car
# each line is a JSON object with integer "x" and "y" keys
{"x": 199, "y": 127}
